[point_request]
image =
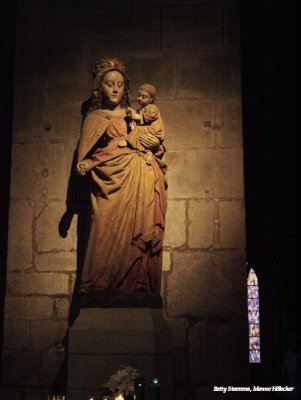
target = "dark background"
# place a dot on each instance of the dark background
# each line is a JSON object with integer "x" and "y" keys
{"x": 268, "y": 46}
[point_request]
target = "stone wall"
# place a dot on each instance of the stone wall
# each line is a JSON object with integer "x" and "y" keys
{"x": 190, "y": 51}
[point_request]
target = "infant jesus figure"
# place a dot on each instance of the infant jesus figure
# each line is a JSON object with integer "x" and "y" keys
{"x": 148, "y": 115}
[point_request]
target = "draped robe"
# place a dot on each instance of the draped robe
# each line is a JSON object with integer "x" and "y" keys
{"x": 128, "y": 198}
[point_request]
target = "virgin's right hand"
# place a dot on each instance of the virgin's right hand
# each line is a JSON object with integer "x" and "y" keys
{"x": 82, "y": 168}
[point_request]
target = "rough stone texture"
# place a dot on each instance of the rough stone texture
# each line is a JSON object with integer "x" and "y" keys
{"x": 209, "y": 75}
{"x": 158, "y": 69}
{"x": 166, "y": 261}
{"x": 29, "y": 116}
{"x": 16, "y": 335}
{"x": 175, "y": 233}
{"x": 228, "y": 123}
{"x": 217, "y": 281}
{"x": 39, "y": 283}
{"x": 201, "y": 227}
{"x": 47, "y": 221}
{"x": 65, "y": 120}
{"x": 203, "y": 40}
{"x": 22, "y": 368}
{"x": 103, "y": 339}
{"x": 190, "y": 51}
{"x": 179, "y": 328}
{"x": 232, "y": 216}
{"x": 47, "y": 166}
{"x": 184, "y": 124}
{"x": 52, "y": 261}
{"x": 61, "y": 306}
{"x": 182, "y": 18}
{"x": 215, "y": 340}
{"x": 20, "y": 236}
{"x": 216, "y": 173}
{"x": 52, "y": 365}
{"x": 28, "y": 308}
{"x": 47, "y": 334}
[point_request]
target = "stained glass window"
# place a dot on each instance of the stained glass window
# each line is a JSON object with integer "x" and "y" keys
{"x": 253, "y": 318}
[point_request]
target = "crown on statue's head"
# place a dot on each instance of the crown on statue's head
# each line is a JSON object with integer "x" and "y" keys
{"x": 106, "y": 65}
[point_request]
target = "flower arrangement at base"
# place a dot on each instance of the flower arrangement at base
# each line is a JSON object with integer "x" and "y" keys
{"x": 122, "y": 382}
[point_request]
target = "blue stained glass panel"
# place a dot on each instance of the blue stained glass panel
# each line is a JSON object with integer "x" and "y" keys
{"x": 253, "y": 317}
{"x": 254, "y": 330}
{"x": 253, "y": 292}
{"x": 254, "y": 343}
{"x": 253, "y": 304}
{"x": 252, "y": 278}
{"x": 254, "y": 356}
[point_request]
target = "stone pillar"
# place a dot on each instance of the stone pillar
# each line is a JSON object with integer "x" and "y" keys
{"x": 103, "y": 339}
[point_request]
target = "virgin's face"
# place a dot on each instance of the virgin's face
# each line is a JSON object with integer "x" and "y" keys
{"x": 112, "y": 88}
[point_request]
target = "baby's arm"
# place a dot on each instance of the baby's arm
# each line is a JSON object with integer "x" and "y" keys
{"x": 150, "y": 113}
{"x": 133, "y": 114}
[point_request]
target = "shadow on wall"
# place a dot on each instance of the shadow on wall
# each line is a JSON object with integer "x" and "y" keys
{"x": 77, "y": 203}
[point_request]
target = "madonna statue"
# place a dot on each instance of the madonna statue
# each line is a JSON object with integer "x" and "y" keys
{"x": 128, "y": 195}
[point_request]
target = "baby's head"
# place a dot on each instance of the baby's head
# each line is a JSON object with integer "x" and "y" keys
{"x": 146, "y": 94}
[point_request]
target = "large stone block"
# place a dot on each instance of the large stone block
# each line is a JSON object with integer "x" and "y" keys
{"x": 39, "y": 170}
{"x": 21, "y": 368}
{"x": 218, "y": 353}
{"x": 28, "y": 307}
{"x": 201, "y": 223}
{"x": 20, "y": 236}
{"x": 46, "y": 283}
{"x": 122, "y": 43}
{"x": 68, "y": 91}
{"x": 232, "y": 224}
{"x": 190, "y": 18}
{"x": 188, "y": 124}
{"x": 207, "y": 284}
{"x": 30, "y": 110}
{"x": 47, "y": 334}
{"x": 128, "y": 19}
{"x": 154, "y": 68}
{"x": 16, "y": 335}
{"x": 55, "y": 19}
{"x": 30, "y": 59}
{"x": 183, "y": 183}
{"x": 53, "y": 369}
{"x": 66, "y": 120}
{"x": 203, "y": 40}
{"x": 60, "y": 261}
{"x": 47, "y": 237}
{"x": 166, "y": 260}
{"x": 209, "y": 75}
{"x": 229, "y": 180}
{"x": 228, "y": 126}
{"x": 175, "y": 233}
{"x": 216, "y": 173}
{"x": 64, "y": 59}
{"x": 179, "y": 328}
{"x": 61, "y": 307}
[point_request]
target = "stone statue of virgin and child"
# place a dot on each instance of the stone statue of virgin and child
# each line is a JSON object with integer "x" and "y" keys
{"x": 122, "y": 150}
